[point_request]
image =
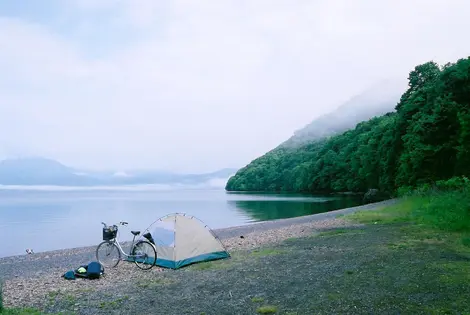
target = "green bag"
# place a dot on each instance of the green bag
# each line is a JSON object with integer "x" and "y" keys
{"x": 69, "y": 275}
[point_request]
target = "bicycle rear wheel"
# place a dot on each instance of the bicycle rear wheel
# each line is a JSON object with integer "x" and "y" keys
{"x": 144, "y": 254}
{"x": 108, "y": 254}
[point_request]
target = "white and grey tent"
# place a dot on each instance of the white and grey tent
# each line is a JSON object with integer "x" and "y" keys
{"x": 182, "y": 240}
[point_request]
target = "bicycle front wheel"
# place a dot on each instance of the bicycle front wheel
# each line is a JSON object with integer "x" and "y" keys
{"x": 108, "y": 254}
{"x": 144, "y": 254}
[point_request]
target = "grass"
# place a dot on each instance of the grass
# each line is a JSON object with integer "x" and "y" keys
{"x": 338, "y": 231}
{"x": 439, "y": 211}
{"x": 432, "y": 218}
{"x": 420, "y": 265}
{"x": 267, "y": 309}
{"x": 333, "y": 232}
{"x": 257, "y": 299}
{"x": 153, "y": 283}
{"x": 396, "y": 213}
{"x": 113, "y": 304}
{"x": 266, "y": 252}
{"x": 210, "y": 265}
{"x": 236, "y": 257}
{"x": 454, "y": 272}
{"x": 15, "y": 311}
{"x": 382, "y": 270}
{"x": 18, "y": 311}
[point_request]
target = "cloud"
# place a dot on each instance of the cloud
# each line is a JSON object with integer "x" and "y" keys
{"x": 195, "y": 86}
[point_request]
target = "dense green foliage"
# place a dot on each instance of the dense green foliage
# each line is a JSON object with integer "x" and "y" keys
{"x": 425, "y": 140}
{"x": 442, "y": 206}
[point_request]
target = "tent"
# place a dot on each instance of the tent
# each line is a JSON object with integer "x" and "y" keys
{"x": 182, "y": 240}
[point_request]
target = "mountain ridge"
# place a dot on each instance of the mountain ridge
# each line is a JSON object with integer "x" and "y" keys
{"x": 424, "y": 141}
{"x": 43, "y": 171}
{"x": 377, "y": 100}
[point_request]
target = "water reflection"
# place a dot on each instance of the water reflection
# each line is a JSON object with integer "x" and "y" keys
{"x": 54, "y": 220}
{"x": 264, "y": 210}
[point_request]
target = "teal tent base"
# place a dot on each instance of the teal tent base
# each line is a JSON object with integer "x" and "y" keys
{"x": 185, "y": 262}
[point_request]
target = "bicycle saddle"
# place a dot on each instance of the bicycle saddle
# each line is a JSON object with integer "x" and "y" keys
{"x": 135, "y": 233}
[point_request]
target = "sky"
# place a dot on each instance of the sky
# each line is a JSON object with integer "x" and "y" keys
{"x": 195, "y": 86}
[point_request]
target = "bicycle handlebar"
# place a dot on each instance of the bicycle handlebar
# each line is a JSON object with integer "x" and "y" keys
{"x": 121, "y": 223}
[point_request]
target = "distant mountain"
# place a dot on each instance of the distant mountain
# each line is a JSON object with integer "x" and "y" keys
{"x": 42, "y": 171}
{"x": 37, "y": 171}
{"x": 376, "y": 101}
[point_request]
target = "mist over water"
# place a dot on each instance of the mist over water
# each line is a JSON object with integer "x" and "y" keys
{"x": 48, "y": 219}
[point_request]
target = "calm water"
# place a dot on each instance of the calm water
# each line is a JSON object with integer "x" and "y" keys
{"x": 45, "y": 220}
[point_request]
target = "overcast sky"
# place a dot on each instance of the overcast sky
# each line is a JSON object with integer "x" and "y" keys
{"x": 199, "y": 85}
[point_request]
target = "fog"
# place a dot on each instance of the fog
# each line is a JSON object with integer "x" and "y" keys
{"x": 195, "y": 86}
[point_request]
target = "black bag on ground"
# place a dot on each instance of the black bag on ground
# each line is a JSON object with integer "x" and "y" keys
{"x": 94, "y": 270}
{"x": 149, "y": 237}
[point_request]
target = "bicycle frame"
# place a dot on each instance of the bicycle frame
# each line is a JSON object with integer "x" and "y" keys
{"x": 116, "y": 242}
{"x": 120, "y": 248}
{"x": 111, "y": 237}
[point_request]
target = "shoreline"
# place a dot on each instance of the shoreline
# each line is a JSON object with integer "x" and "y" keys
{"x": 229, "y": 232}
{"x": 41, "y": 273}
{"x": 221, "y": 233}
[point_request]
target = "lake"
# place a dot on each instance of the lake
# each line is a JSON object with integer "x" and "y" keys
{"x": 50, "y": 220}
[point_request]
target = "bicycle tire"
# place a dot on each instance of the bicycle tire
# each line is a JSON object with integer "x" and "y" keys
{"x": 150, "y": 248}
{"x": 113, "y": 247}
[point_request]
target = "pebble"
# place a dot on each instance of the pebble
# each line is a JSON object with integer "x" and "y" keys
{"x": 41, "y": 287}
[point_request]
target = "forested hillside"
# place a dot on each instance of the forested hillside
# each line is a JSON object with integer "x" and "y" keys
{"x": 378, "y": 100}
{"x": 426, "y": 139}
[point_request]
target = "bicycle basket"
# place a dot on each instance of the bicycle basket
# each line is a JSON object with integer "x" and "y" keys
{"x": 109, "y": 233}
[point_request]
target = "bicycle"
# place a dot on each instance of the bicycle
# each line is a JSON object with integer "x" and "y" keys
{"x": 142, "y": 252}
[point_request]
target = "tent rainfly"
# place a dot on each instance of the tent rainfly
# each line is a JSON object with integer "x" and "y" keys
{"x": 182, "y": 240}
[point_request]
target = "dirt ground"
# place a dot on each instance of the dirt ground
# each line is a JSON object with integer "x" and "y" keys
{"x": 371, "y": 269}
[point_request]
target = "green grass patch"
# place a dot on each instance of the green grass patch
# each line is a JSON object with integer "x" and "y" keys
{"x": 333, "y": 232}
{"x": 422, "y": 236}
{"x": 455, "y": 272}
{"x": 116, "y": 303}
{"x": 154, "y": 283}
{"x": 15, "y": 311}
{"x": 448, "y": 211}
{"x": 334, "y": 296}
{"x": 235, "y": 258}
{"x": 267, "y": 309}
{"x": 466, "y": 241}
{"x": 211, "y": 265}
{"x": 70, "y": 299}
{"x": 445, "y": 211}
{"x": 267, "y": 252}
{"x": 338, "y": 232}
{"x": 204, "y": 266}
{"x": 400, "y": 212}
{"x": 257, "y": 299}
{"x": 19, "y": 311}
{"x": 413, "y": 236}
{"x": 290, "y": 239}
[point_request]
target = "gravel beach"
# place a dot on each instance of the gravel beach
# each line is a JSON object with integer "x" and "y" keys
{"x": 36, "y": 280}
